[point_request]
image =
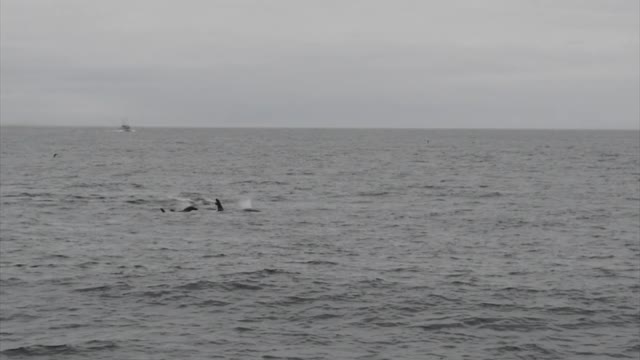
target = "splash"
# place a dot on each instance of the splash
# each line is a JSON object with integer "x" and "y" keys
{"x": 245, "y": 204}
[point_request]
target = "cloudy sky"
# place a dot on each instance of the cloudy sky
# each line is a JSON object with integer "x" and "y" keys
{"x": 321, "y": 63}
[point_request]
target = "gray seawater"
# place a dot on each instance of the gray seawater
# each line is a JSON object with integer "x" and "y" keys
{"x": 370, "y": 244}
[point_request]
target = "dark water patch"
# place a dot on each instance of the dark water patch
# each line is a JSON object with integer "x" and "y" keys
{"x": 293, "y": 300}
{"x": 241, "y": 286}
{"x": 601, "y": 355}
{"x": 22, "y": 317}
{"x": 273, "y": 182}
{"x": 437, "y": 326}
{"x": 56, "y": 256}
{"x": 390, "y": 324}
{"x": 603, "y": 272}
{"x": 12, "y": 281}
{"x": 376, "y": 283}
{"x": 498, "y": 306}
{"x": 229, "y": 285}
{"x": 40, "y": 350}
{"x": 156, "y": 294}
{"x": 260, "y": 182}
{"x": 278, "y": 198}
{"x": 493, "y": 194}
{"x": 597, "y": 256}
{"x": 569, "y": 310}
{"x": 213, "y": 256}
{"x": 521, "y": 324}
{"x": 212, "y": 303}
{"x": 28, "y": 195}
{"x": 261, "y": 273}
{"x": 87, "y": 264}
{"x": 633, "y": 348}
{"x": 43, "y": 266}
{"x": 589, "y": 323}
{"x": 519, "y": 291}
{"x": 276, "y": 357}
{"x": 105, "y": 289}
{"x": 320, "y": 262}
{"x": 137, "y": 201}
{"x": 168, "y": 249}
{"x": 243, "y": 329}
{"x": 84, "y": 197}
{"x": 316, "y": 317}
{"x": 373, "y": 193}
{"x": 243, "y": 182}
{"x": 402, "y": 269}
{"x": 462, "y": 283}
{"x": 527, "y": 351}
{"x": 427, "y": 187}
{"x": 68, "y": 326}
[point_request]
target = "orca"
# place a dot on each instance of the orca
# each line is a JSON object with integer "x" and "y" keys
{"x": 219, "y": 205}
{"x": 250, "y": 210}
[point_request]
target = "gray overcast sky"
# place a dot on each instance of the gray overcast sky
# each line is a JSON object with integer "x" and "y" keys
{"x": 324, "y": 63}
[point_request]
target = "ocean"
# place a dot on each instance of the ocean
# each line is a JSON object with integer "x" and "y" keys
{"x": 367, "y": 244}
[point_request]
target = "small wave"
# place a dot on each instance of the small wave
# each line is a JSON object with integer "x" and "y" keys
{"x": 63, "y": 349}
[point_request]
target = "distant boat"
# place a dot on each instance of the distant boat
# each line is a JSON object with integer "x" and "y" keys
{"x": 125, "y": 127}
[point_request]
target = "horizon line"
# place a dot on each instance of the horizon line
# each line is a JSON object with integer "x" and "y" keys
{"x": 309, "y": 127}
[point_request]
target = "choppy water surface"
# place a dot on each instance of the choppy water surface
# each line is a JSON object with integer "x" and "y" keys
{"x": 370, "y": 244}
